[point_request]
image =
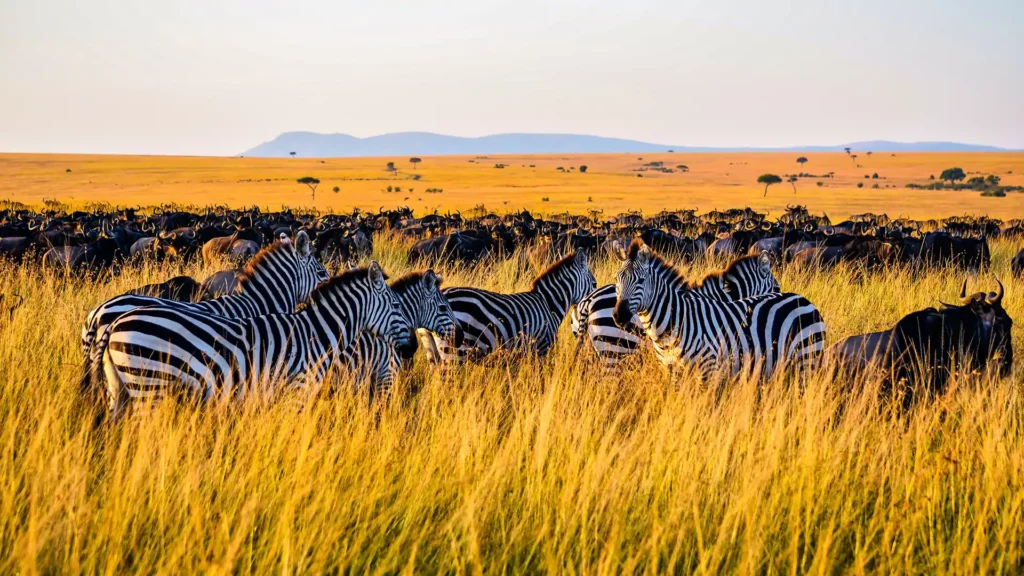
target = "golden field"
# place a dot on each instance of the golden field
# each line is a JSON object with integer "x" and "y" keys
{"x": 610, "y": 184}
{"x": 521, "y": 465}
{"x": 518, "y": 465}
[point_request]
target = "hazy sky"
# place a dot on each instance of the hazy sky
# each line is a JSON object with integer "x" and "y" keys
{"x": 220, "y": 76}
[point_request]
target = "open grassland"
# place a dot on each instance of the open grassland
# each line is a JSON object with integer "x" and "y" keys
{"x": 611, "y": 182}
{"x": 521, "y": 465}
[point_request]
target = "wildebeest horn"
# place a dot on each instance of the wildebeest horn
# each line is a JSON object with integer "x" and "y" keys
{"x": 996, "y": 297}
{"x": 963, "y": 292}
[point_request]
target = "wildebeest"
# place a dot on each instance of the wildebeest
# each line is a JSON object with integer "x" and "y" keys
{"x": 221, "y": 283}
{"x": 1017, "y": 264}
{"x": 180, "y": 288}
{"x": 924, "y": 347}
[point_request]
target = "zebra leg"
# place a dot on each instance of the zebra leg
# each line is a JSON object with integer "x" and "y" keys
{"x": 117, "y": 392}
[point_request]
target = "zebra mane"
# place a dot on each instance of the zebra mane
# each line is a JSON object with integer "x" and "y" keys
{"x": 720, "y": 274}
{"x": 252, "y": 269}
{"x": 407, "y": 281}
{"x": 341, "y": 280}
{"x": 675, "y": 275}
{"x": 555, "y": 268}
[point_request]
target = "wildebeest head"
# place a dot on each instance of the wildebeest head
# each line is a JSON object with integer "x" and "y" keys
{"x": 985, "y": 327}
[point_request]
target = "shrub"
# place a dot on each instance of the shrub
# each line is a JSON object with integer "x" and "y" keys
{"x": 583, "y": 169}
{"x": 875, "y": 176}
{"x": 820, "y": 183}
{"x": 860, "y": 184}
{"x": 545, "y": 199}
{"x": 994, "y": 193}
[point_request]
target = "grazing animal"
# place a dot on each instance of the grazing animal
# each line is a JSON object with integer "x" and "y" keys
{"x": 923, "y": 348}
{"x": 1017, "y": 264}
{"x": 222, "y": 283}
{"x": 686, "y": 326}
{"x": 275, "y": 281}
{"x": 156, "y": 350}
{"x": 376, "y": 360}
{"x": 180, "y": 288}
{"x": 525, "y": 320}
{"x": 743, "y": 278}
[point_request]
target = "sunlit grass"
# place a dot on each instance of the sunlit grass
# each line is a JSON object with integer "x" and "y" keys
{"x": 520, "y": 465}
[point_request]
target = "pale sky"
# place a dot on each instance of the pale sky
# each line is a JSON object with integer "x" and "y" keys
{"x": 215, "y": 77}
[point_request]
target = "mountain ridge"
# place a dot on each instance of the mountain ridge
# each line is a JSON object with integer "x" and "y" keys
{"x": 319, "y": 145}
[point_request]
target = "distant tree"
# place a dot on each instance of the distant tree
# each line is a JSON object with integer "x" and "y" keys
{"x": 671, "y": 151}
{"x": 311, "y": 182}
{"x": 801, "y": 161}
{"x": 414, "y": 161}
{"x": 953, "y": 175}
{"x": 583, "y": 169}
{"x": 682, "y": 167}
{"x": 847, "y": 151}
{"x": 68, "y": 170}
{"x": 868, "y": 152}
{"x": 768, "y": 180}
{"x": 853, "y": 158}
{"x": 292, "y": 153}
{"x": 792, "y": 181}
{"x": 992, "y": 180}
{"x": 389, "y": 188}
{"x": 391, "y": 167}
{"x": 336, "y": 189}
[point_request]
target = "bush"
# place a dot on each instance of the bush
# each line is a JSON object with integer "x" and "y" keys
{"x": 994, "y": 193}
{"x": 590, "y": 198}
{"x": 336, "y": 189}
{"x": 860, "y": 184}
{"x": 875, "y": 176}
{"x": 545, "y": 199}
{"x": 583, "y": 169}
{"x": 820, "y": 183}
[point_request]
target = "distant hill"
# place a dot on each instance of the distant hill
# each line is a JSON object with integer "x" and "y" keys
{"x": 312, "y": 144}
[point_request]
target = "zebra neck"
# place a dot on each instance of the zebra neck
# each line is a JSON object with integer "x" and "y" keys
{"x": 412, "y": 307}
{"x": 331, "y": 329}
{"x": 555, "y": 295}
{"x": 269, "y": 296}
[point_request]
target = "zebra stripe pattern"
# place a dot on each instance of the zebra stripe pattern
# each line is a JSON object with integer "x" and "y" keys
{"x": 156, "y": 350}
{"x": 491, "y": 321}
{"x": 686, "y": 326}
{"x": 377, "y": 361}
{"x": 592, "y": 318}
{"x": 275, "y": 281}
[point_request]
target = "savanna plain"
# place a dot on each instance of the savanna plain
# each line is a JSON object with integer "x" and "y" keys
{"x": 518, "y": 464}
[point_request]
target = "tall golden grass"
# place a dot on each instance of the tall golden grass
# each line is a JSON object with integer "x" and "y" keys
{"x": 519, "y": 465}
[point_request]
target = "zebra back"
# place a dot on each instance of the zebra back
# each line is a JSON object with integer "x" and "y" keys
{"x": 152, "y": 350}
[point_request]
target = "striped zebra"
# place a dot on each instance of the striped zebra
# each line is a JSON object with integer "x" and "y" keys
{"x": 157, "y": 350}
{"x": 275, "y": 281}
{"x": 592, "y": 318}
{"x": 686, "y": 326}
{"x": 525, "y": 320}
{"x": 377, "y": 361}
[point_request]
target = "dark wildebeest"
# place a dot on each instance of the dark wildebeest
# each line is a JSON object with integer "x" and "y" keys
{"x": 924, "y": 347}
{"x": 1017, "y": 264}
{"x": 221, "y": 283}
{"x": 180, "y": 288}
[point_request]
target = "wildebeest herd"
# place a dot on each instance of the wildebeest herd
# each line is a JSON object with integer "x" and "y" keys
{"x": 276, "y": 318}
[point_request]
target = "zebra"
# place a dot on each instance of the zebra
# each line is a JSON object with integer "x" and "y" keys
{"x": 525, "y": 320}
{"x": 275, "y": 281}
{"x": 592, "y": 317}
{"x": 377, "y": 361}
{"x": 155, "y": 350}
{"x": 686, "y": 326}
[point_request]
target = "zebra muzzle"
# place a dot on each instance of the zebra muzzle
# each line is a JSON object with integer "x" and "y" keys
{"x": 622, "y": 315}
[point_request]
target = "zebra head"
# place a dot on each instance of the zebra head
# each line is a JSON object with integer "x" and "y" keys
{"x": 311, "y": 272}
{"x": 383, "y": 309}
{"x": 632, "y": 284}
{"x": 425, "y": 306}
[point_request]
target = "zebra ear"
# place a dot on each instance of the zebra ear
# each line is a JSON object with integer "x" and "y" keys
{"x": 374, "y": 274}
{"x": 302, "y": 244}
{"x": 620, "y": 253}
{"x": 643, "y": 255}
{"x": 581, "y": 258}
{"x": 431, "y": 279}
{"x": 765, "y": 262}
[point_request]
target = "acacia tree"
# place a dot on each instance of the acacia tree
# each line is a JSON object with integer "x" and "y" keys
{"x": 414, "y": 161}
{"x": 768, "y": 180}
{"x": 801, "y": 161}
{"x": 853, "y": 158}
{"x": 847, "y": 151}
{"x": 391, "y": 167}
{"x": 311, "y": 182}
{"x": 792, "y": 181}
{"x": 293, "y": 154}
{"x": 953, "y": 175}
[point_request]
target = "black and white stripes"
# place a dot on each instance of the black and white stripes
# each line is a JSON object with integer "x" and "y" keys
{"x": 275, "y": 281}
{"x": 592, "y": 317}
{"x": 525, "y": 320}
{"x": 685, "y": 326}
{"x": 155, "y": 350}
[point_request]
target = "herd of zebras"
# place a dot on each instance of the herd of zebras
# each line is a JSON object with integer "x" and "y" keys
{"x": 289, "y": 324}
